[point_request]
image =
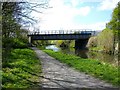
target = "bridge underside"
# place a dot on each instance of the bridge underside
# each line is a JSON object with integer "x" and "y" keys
{"x": 81, "y": 43}
{"x": 80, "y": 39}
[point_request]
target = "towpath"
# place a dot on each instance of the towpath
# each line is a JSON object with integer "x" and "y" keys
{"x": 58, "y": 75}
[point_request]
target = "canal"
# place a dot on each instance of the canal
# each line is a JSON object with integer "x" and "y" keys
{"x": 103, "y": 57}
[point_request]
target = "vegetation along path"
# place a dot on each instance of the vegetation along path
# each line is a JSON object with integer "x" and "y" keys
{"x": 59, "y": 75}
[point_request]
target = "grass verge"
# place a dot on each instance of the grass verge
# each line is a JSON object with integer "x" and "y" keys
{"x": 21, "y": 69}
{"x": 96, "y": 68}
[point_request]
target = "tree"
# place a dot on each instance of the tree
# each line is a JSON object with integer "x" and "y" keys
{"x": 105, "y": 40}
{"x": 114, "y": 24}
{"x": 92, "y": 42}
{"x": 115, "y": 20}
{"x": 16, "y": 15}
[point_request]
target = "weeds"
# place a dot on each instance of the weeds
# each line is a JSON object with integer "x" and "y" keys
{"x": 21, "y": 69}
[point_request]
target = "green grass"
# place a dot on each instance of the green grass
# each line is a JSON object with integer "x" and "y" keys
{"x": 96, "y": 49}
{"x": 21, "y": 69}
{"x": 95, "y": 68}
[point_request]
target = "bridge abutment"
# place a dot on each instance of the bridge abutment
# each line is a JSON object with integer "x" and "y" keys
{"x": 81, "y": 43}
{"x": 30, "y": 41}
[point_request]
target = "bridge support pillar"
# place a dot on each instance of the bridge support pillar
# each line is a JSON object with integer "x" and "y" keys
{"x": 81, "y": 43}
{"x": 30, "y": 41}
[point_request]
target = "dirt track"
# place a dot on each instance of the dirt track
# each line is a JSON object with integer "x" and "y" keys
{"x": 59, "y": 75}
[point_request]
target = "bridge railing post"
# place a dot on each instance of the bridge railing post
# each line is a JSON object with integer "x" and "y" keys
{"x": 72, "y": 31}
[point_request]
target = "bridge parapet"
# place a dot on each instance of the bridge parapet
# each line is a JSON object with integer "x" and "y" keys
{"x": 72, "y": 31}
{"x": 79, "y": 35}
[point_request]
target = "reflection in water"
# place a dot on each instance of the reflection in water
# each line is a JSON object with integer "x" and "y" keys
{"x": 81, "y": 53}
{"x": 87, "y": 54}
{"x": 67, "y": 50}
{"x": 52, "y": 47}
{"x": 78, "y": 52}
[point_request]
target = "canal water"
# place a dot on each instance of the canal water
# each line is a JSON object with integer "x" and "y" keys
{"x": 103, "y": 57}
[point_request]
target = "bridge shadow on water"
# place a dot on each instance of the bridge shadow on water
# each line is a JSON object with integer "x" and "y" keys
{"x": 76, "y": 51}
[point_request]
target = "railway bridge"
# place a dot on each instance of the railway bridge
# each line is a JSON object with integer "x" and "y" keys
{"x": 81, "y": 36}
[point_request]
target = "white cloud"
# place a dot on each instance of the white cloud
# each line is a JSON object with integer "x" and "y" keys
{"x": 61, "y": 15}
{"x": 97, "y": 26}
{"x": 108, "y": 4}
{"x": 74, "y": 2}
{"x": 93, "y": 26}
{"x": 84, "y": 10}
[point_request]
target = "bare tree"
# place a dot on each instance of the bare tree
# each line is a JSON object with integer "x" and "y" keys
{"x": 23, "y": 10}
{"x": 16, "y": 15}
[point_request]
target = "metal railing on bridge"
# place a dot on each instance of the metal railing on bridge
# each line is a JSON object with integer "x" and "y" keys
{"x": 72, "y": 31}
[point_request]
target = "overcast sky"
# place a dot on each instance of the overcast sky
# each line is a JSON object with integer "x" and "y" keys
{"x": 76, "y": 14}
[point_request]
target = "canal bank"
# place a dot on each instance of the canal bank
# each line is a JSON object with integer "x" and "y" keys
{"x": 87, "y": 54}
{"x": 59, "y": 75}
{"x": 93, "y": 67}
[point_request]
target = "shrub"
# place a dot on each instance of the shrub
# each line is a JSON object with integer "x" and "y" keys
{"x": 106, "y": 40}
{"x": 17, "y": 43}
{"x": 92, "y": 42}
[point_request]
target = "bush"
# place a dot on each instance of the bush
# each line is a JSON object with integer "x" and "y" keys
{"x": 92, "y": 42}
{"x": 17, "y": 43}
{"x": 106, "y": 40}
{"x": 22, "y": 69}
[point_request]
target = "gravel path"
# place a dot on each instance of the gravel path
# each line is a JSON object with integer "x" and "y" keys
{"x": 59, "y": 75}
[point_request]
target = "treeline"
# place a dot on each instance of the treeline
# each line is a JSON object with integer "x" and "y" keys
{"x": 15, "y": 17}
{"x": 13, "y": 36}
{"x": 20, "y": 66}
{"x": 65, "y": 43}
{"x": 109, "y": 39}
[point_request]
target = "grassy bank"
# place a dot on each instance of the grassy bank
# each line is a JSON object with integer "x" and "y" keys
{"x": 96, "y": 68}
{"x": 95, "y": 49}
{"x": 21, "y": 69}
